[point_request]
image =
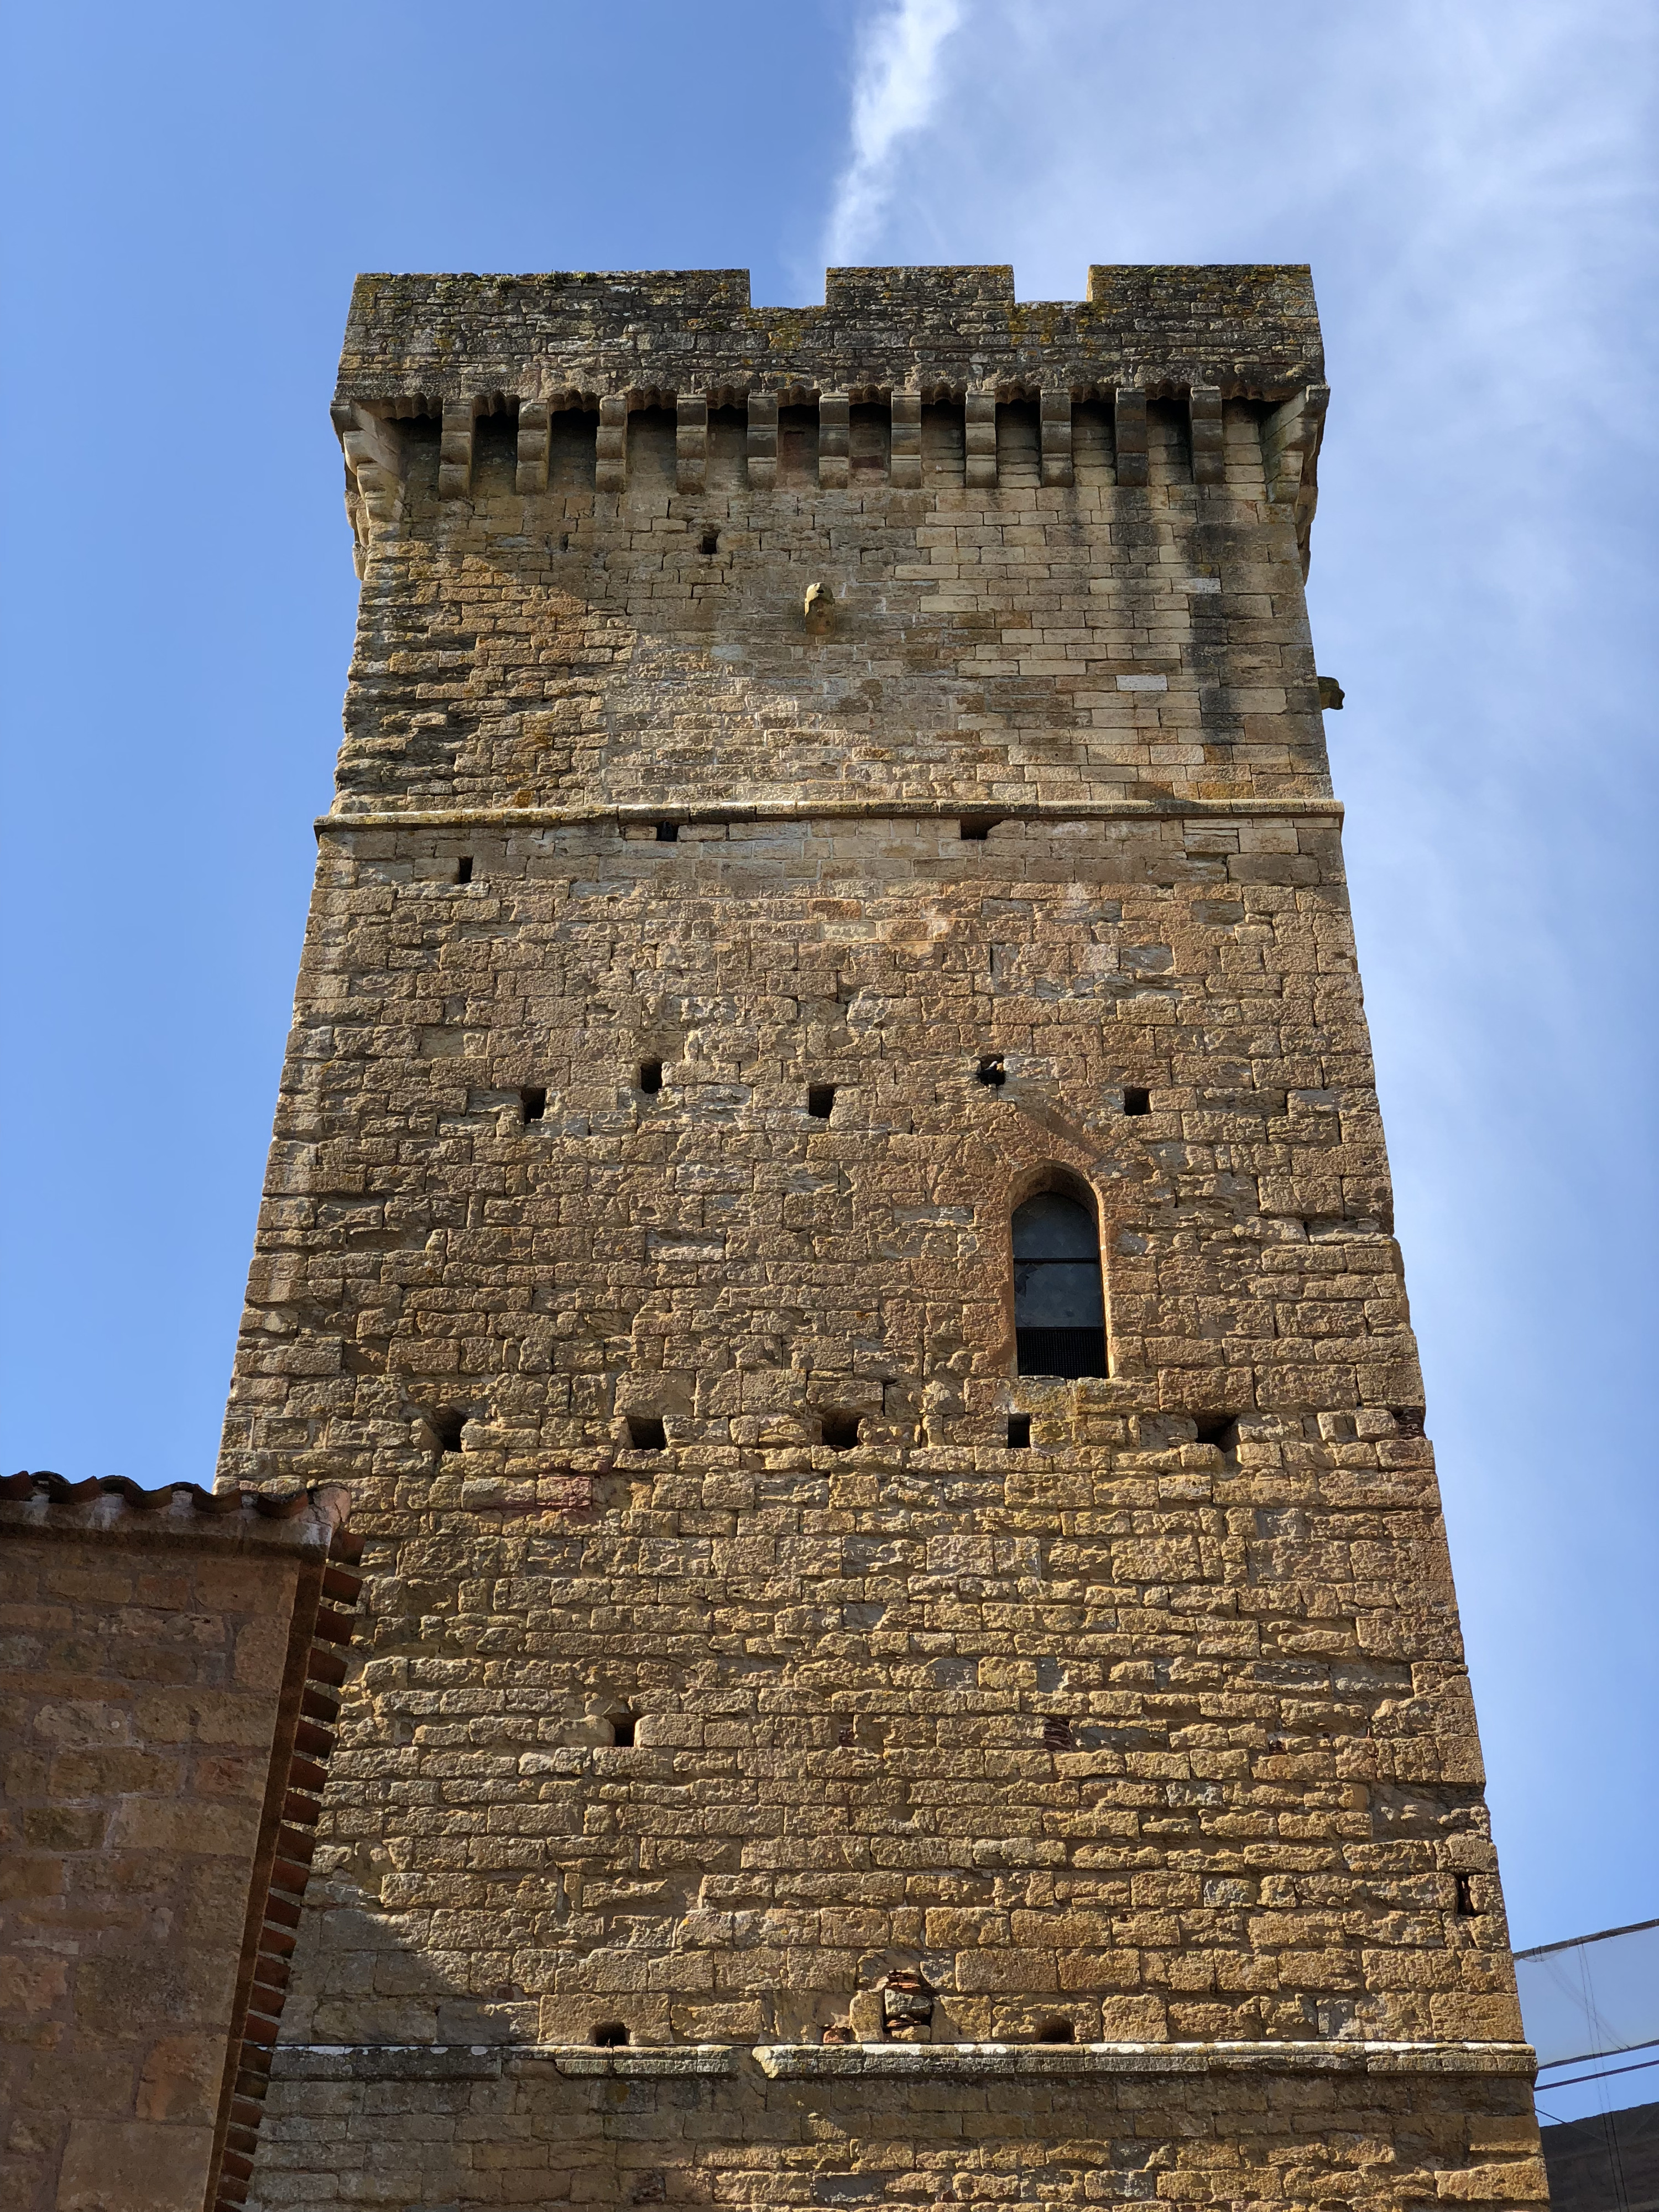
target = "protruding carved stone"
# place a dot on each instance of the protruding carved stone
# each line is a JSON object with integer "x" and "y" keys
{"x": 1129, "y": 408}
{"x": 979, "y": 431}
{"x": 690, "y": 441}
{"x": 762, "y": 440}
{"x": 533, "y": 436}
{"x": 610, "y": 458}
{"x": 1056, "y": 417}
{"x": 1208, "y": 435}
{"x": 904, "y": 461}
{"x": 455, "y": 450}
{"x": 833, "y": 440}
{"x": 374, "y": 450}
{"x": 1290, "y": 453}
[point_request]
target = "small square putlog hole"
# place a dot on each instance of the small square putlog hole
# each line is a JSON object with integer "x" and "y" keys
{"x": 1019, "y": 1433}
{"x": 623, "y": 1727}
{"x": 532, "y": 1101}
{"x": 646, "y": 1433}
{"x": 992, "y": 1071}
{"x": 651, "y": 1077}
{"x": 1136, "y": 1099}
{"x": 446, "y": 1426}
{"x": 668, "y": 833}
{"x": 1220, "y": 1429}
{"x": 820, "y": 1100}
{"x": 610, "y": 2034}
{"x": 841, "y": 1430}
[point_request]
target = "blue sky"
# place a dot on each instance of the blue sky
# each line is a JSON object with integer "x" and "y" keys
{"x": 192, "y": 188}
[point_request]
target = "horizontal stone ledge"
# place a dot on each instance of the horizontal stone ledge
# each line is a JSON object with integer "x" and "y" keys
{"x": 958, "y": 2061}
{"x": 797, "y": 2062}
{"x": 765, "y": 812}
{"x": 487, "y": 2062}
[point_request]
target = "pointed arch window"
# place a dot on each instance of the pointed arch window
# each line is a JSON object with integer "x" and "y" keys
{"x": 1059, "y": 1309}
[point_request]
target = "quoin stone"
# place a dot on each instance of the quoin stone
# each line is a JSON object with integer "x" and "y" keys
{"x": 827, "y": 1207}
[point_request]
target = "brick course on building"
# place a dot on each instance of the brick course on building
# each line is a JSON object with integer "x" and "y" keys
{"x": 813, "y": 782}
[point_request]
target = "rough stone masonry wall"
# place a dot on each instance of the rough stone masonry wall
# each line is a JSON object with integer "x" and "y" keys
{"x": 1155, "y": 1732}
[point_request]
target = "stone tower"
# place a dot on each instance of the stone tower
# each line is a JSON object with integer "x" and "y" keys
{"x": 828, "y": 1206}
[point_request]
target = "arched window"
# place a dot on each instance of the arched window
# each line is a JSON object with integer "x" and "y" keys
{"x": 1060, "y": 1312}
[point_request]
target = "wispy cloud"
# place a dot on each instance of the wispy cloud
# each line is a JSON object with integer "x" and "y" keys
{"x": 894, "y": 94}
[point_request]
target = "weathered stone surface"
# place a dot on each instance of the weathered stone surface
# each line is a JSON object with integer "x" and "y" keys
{"x": 702, "y": 968}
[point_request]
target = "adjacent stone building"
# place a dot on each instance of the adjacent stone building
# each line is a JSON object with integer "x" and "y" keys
{"x": 828, "y": 1206}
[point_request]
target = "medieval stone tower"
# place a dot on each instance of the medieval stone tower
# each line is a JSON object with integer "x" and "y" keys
{"x": 828, "y": 1206}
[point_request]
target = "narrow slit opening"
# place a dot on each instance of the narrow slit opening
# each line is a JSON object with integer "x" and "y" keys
{"x": 709, "y": 542}
{"x": 646, "y": 1433}
{"x": 623, "y": 1725}
{"x": 1019, "y": 1433}
{"x": 1466, "y": 1904}
{"x": 651, "y": 1077}
{"x": 532, "y": 1101}
{"x": 464, "y": 869}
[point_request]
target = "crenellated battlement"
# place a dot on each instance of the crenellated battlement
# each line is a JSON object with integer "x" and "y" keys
{"x": 426, "y": 341}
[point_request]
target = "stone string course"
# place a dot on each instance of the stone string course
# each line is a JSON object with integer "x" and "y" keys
{"x": 1153, "y": 1732}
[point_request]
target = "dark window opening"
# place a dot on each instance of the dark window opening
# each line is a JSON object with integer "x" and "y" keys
{"x": 446, "y": 1426}
{"x": 611, "y": 2034}
{"x": 1136, "y": 1099}
{"x": 1019, "y": 443}
{"x": 668, "y": 833}
{"x": 841, "y": 1430}
{"x": 797, "y": 444}
{"x": 976, "y": 828}
{"x": 1059, "y": 1309}
{"x": 1218, "y": 1429}
{"x": 1056, "y": 2031}
{"x": 1408, "y": 1419}
{"x": 646, "y": 1433}
{"x": 992, "y": 1071}
{"x": 709, "y": 542}
{"x": 572, "y": 442}
{"x": 1019, "y": 1433}
{"x": 820, "y": 1098}
{"x": 651, "y": 449}
{"x": 623, "y": 1726}
{"x": 1465, "y": 1903}
{"x": 464, "y": 870}
{"x": 532, "y": 1099}
{"x": 1056, "y": 1733}
{"x": 651, "y": 1077}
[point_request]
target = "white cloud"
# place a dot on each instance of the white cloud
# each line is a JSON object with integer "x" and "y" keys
{"x": 895, "y": 89}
